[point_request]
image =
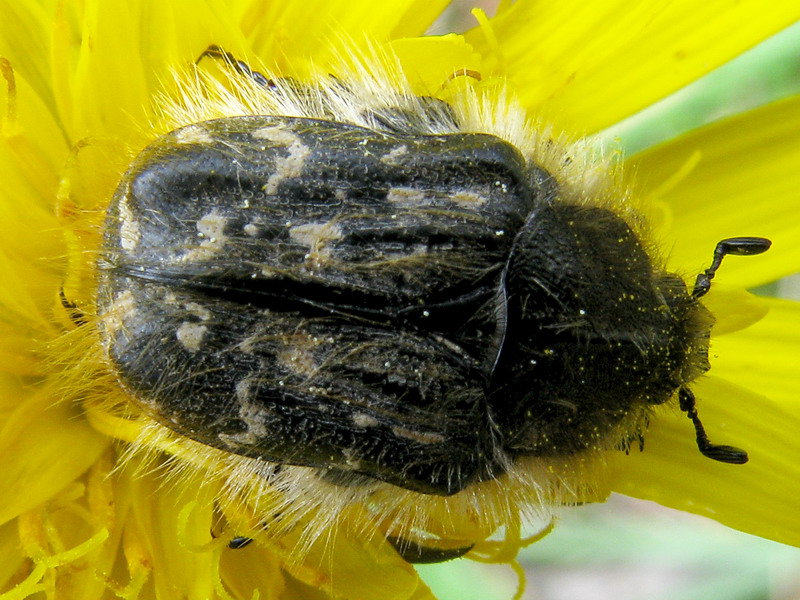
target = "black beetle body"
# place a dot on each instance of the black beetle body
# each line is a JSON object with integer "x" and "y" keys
{"x": 418, "y": 309}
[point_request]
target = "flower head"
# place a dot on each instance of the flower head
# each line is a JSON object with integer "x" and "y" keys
{"x": 116, "y": 504}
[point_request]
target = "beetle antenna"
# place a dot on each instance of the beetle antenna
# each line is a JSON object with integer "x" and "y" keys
{"x": 239, "y": 66}
{"x": 739, "y": 246}
{"x": 726, "y": 454}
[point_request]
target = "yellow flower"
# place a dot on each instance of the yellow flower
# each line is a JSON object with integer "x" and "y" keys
{"x": 83, "y": 519}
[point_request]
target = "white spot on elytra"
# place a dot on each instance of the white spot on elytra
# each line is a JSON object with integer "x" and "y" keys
{"x": 198, "y": 310}
{"x": 129, "y": 233}
{"x": 252, "y": 415}
{"x": 286, "y": 167}
{"x": 243, "y": 390}
{"x": 211, "y": 230}
{"x": 251, "y": 229}
{"x": 123, "y": 308}
{"x": 298, "y": 355}
{"x": 190, "y": 335}
{"x": 317, "y": 238}
{"x": 468, "y": 198}
{"x": 314, "y": 235}
{"x": 423, "y": 437}
{"x": 364, "y": 420}
{"x": 170, "y": 299}
{"x": 193, "y": 134}
{"x": 392, "y": 157}
{"x": 277, "y": 134}
{"x": 406, "y": 196}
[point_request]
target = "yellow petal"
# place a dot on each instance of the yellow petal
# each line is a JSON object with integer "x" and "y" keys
{"x": 24, "y": 42}
{"x": 272, "y": 28}
{"x": 72, "y": 531}
{"x": 430, "y": 63}
{"x": 587, "y": 65}
{"x": 32, "y": 150}
{"x": 759, "y": 497}
{"x": 172, "y": 539}
{"x": 105, "y": 98}
{"x": 12, "y": 566}
{"x": 744, "y": 182}
{"x": 15, "y": 355}
{"x": 24, "y": 310}
{"x": 43, "y": 447}
{"x": 360, "y": 569}
{"x": 414, "y": 17}
{"x": 253, "y": 568}
{"x": 764, "y": 357}
{"x": 733, "y": 308}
